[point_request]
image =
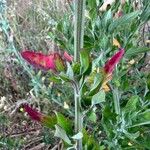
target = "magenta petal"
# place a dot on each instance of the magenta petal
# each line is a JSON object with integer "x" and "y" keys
{"x": 68, "y": 57}
{"x": 50, "y": 62}
{"x": 110, "y": 64}
{"x": 53, "y": 61}
{"x": 39, "y": 60}
{"x": 33, "y": 113}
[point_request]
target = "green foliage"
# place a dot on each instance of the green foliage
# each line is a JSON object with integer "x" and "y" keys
{"x": 104, "y": 128}
{"x": 85, "y": 61}
{"x": 59, "y": 132}
{"x": 98, "y": 98}
{"x": 123, "y": 21}
{"x": 65, "y": 123}
{"x": 136, "y": 50}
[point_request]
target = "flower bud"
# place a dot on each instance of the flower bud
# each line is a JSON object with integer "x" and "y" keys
{"x": 114, "y": 60}
{"x": 33, "y": 113}
{"x": 48, "y": 121}
{"x": 68, "y": 57}
{"x": 53, "y": 61}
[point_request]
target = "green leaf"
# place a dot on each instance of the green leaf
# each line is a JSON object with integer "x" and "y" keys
{"x": 107, "y": 18}
{"x": 97, "y": 83}
{"x": 124, "y": 20}
{"x": 64, "y": 77}
{"x": 142, "y": 118}
{"x": 65, "y": 123}
{"x": 146, "y": 13}
{"x": 49, "y": 121}
{"x": 69, "y": 72}
{"x": 141, "y": 124}
{"x": 76, "y": 68}
{"x": 78, "y": 136}
{"x": 92, "y": 3}
{"x": 92, "y": 117}
{"x": 98, "y": 98}
{"x": 59, "y": 65}
{"x": 93, "y": 14}
{"x": 95, "y": 62}
{"x": 136, "y": 50}
{"x": 89, "y": 143}
{"x": 60, "y": 133}
{"x": 55, "y": 79}
{"x": 109, "y": 118}
{"x": 131, "y": 104}
{"x": 85, "y": 61}
{"x": 131, "y": 135}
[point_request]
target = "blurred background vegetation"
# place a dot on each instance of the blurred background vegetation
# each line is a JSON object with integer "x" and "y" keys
{"x": 47, "y": 25}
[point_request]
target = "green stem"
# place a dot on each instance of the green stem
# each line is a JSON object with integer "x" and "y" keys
{"x": 78, "y": 116}
{"x": 78, "y": 27}
{"x": 116, "y": 98}
{"x": 78, "y": 45}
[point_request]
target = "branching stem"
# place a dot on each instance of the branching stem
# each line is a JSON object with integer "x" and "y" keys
{"x": 78, "y": 45}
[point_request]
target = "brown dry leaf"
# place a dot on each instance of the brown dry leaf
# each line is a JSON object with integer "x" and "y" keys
{"x": 105, "y": 4}
{"x": 105, "y": 87}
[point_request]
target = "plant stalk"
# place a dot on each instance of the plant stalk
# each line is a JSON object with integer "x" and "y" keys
{"x": 78, "y": 117}
{"x": 78, "y": 27}
{"x": 78, "y": 45}
{"x": 116, "y": 101}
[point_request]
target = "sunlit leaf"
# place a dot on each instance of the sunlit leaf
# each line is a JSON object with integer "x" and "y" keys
{"x": 78, "y": 136}
{"x": 131, "y": 104}
{"x": 98, "y": 98}
{"x": 69, "y": 72}
{"x": 62, "y": 134}
{"x": 65, "y": 123}
{"x": 85, "y": 61}
{"x": 97, "y": 82}
{"x": 142, "y": 118}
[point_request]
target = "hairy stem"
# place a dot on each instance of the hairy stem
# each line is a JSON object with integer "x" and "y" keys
{"x": 78, "y": 27}
{"x": 116, "y": 98}
{"x": 78, "y": 117}
{"x": 78, "y": 45}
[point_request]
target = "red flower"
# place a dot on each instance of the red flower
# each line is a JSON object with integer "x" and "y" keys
{"x": 114, "y": 60}
{"x": 68, "y": 57}
{"x": 52, "y": 61}
{"x": 48, "y": 121}
{"x": 33, "y": 113}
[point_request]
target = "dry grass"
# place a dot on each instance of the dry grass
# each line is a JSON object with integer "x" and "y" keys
{"x": 30, "y": 21}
